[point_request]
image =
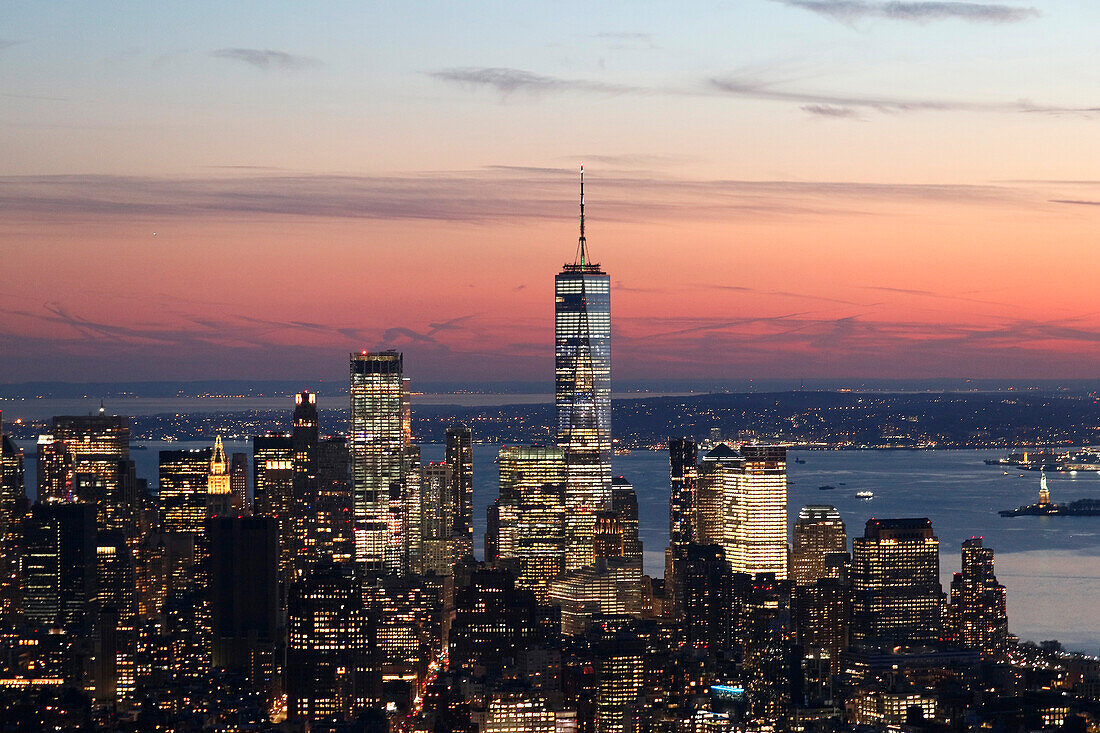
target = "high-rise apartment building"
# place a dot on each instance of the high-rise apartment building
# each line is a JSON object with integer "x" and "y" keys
{"x": 818, "y": 532}
{"x": 895, "y": 576}
{"x": 977, "y": 616}
{"x": 460, "y": 457}
{"x": 582, "y": 330}
{"x": 380, "y": 433}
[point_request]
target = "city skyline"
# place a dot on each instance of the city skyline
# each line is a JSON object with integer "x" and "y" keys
{"x": 777, "y": 206}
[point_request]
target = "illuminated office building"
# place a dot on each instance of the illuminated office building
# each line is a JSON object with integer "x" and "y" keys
{"x": 460, "y": 457}
{"x": 818, "y": 532}
{"x": 519, "y": 712}
{"x": 608, "y": 586}
{"x": 380, "y": 433}
{"x": 238, "y": 482}
{"x": 493, "y": 621}
{"x": 13, "y": 494}
{"x": 59, "y": 567}
{"x": 55, "y": 470}
{"x": 437, "y": 547}
{"x": 219, "y": 491}
{"x": 895, "y": 576}
{"x": 184, "y": 476}
{"x": 332, "y": 531}
{"x": 273, "y": 488}
{"x": 821, "y": 611}
{"x": 13, "y": 507}
{"x": 741, "y": 504}
{"x": 760, "y": 538}
{"x": 273, "y": 474}
{"x": 408, "y": 611}
{"x": 99, "y": 448}
{"x": 764, "y": 636}
{"x": 530, "y": 514}
{"x": 116, "y": 603}
{"x": 977, "y": 616}
{"x": 582, "y": 334}
{"x": 331, "y": 669}
{"x": 620, "y": 674}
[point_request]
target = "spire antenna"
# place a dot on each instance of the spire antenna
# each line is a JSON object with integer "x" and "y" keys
{"x": 582, "y": 242}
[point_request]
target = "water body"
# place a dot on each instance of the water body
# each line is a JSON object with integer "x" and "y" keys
{"x": 1051, "y": 565}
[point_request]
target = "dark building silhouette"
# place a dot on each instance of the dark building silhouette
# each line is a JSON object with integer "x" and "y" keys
{"x": 243, "y": 588}
{"x": 59, "y": 567}
{"x": 459, "y": 456}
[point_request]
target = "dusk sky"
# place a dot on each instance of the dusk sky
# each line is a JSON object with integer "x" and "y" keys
{"x": 778, "y": 188}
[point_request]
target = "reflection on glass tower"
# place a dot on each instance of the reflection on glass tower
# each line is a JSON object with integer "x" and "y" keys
{"x": 582, "y": 331}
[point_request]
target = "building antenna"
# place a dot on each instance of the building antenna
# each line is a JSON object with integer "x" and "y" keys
{"x": 582, "y": 242}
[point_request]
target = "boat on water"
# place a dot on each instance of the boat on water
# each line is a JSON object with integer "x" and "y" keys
{"x": 826, "y": 487}
{"x": 865, "y": 494}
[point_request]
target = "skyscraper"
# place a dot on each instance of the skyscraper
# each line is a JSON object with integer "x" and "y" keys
{"x": 59, "y": 567}
{"x": 977, "y": 616}
{"x": 238, "y": 481}
{"x": 219, "y": 492}
{"x": 895, "y": 575}
{"x": 582, "y": 330}
{"x": 460, "y": 457}
{"x": 98, "y": 447}
{"x": 760, "y": 543}
{"x": 380, "y": 432}
{"x": 741, "y": 504}
{"x": 305, "y": 437}
{"x": 683, "y": 478}
{"x": 331, "y": 665}
{"x": 530, "y": 514}
{"x": 184, "y": 476}
{"x": 818, "y": 531}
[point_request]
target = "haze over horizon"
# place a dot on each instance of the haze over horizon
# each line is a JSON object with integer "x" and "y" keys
{"x": 777, "y": 188}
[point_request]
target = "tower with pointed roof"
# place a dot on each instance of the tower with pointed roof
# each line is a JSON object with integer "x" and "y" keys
{"x": 582, "y": 351}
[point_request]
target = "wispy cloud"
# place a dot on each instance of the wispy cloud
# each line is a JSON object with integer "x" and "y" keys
{"x": 493, "y": 194}
{"x": 265, "y": 58}
{"x": 508, "y": 81}
{"x": 628, "y": 40}
{"x": 1075, "y": 202}
{"x": 829, "y": 110}
{"x": 7, "y": 43}
{"x": 848, "y": 11}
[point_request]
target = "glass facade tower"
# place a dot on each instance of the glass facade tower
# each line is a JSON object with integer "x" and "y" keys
{"x": 380, "y": 433}
{"x": 582, "y": 331}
